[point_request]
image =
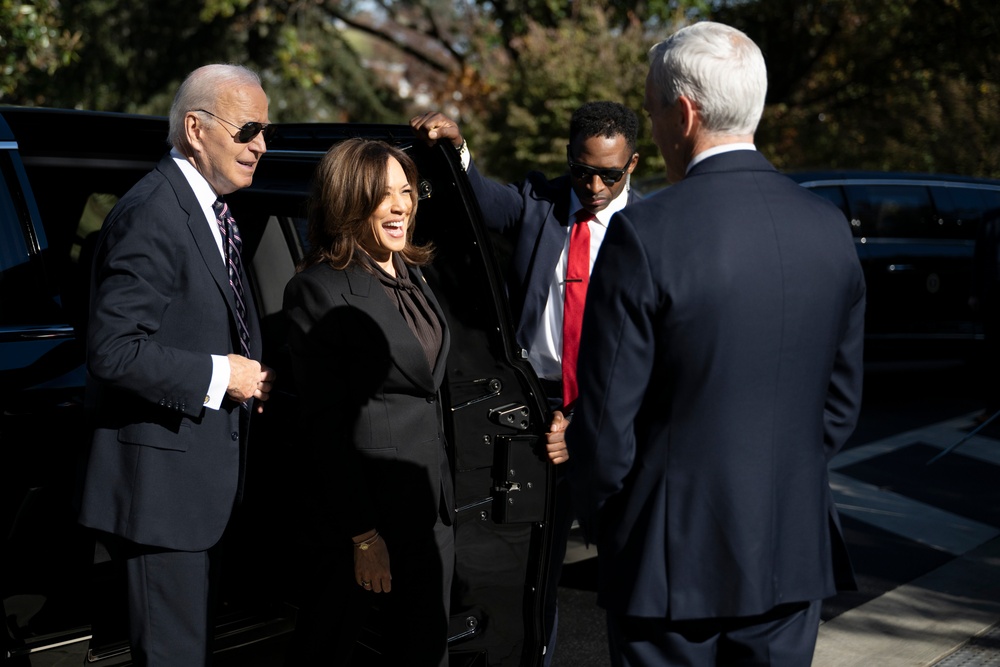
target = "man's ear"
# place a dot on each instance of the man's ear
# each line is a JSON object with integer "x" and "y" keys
{"x": 193, "y": 129}
{"x": 632, "y": 163}
{"x": 688, "y": 116}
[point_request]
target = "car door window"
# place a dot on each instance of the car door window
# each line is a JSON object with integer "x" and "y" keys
{"x": 892, "y": 211}
{"x": 960, "y": 210}
{"x": 24, "y": 298}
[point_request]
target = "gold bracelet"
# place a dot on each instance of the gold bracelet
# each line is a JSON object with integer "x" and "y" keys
{"x": 364, "y": 544}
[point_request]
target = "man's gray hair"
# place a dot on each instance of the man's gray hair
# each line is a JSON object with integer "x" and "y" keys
{"x": 201, "y": 90}
{"x": 718, "y": 68}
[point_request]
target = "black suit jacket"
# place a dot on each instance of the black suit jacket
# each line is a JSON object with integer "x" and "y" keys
{"x": 720, "y": 369}
{"x": 371, "y": 411}
{"x": 536, "y": 214}
{"x": 162, "y": 469}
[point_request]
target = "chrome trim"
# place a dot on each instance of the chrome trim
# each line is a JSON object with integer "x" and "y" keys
{"x": 84, "y": 162}
{"x": 914, "y": 240}
{"x": 14, "y": 334}
{"x": 14, "y": 652}
{"x": 898, "y": 181}
{"x": 296, "y": 154}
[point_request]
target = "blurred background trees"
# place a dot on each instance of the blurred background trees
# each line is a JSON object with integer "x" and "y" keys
{"x": 894, "y": 84}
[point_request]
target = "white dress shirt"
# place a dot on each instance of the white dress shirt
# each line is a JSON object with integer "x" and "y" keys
{"x": 206, "y": 197}
{"x": 545, "y": 354}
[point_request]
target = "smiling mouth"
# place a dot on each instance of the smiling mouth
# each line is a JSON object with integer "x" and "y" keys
{"x": 395, "y": 228}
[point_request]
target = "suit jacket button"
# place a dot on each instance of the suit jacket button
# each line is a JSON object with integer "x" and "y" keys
{"x": 163, "y": 401}
{"x": 235, "y": 435}
{"x": 431, "y": 399}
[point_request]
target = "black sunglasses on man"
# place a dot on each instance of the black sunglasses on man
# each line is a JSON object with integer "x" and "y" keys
{"x": 586, "y": 172}
{"x": 248, "y": 131}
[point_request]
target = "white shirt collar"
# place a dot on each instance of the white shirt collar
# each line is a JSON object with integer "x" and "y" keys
{"x": 202, "y": 190}
{"x": 716, "y": 150}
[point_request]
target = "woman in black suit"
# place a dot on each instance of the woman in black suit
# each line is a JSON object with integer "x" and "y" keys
{"x": 369, "y": 344}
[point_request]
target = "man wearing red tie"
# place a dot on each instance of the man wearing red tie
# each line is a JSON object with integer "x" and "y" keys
{"x": 557, "y": 227}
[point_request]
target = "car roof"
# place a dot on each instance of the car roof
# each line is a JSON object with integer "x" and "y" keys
{"x": 857, "y": 176}
{"x": 105, "y": 134}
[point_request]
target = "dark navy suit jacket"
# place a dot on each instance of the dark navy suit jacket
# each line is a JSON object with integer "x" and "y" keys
{"x": 162, "y": 469}
{"x": 371, "y": 412}
{"x": 536, "y": 214}
{"x": 720, "y": 369}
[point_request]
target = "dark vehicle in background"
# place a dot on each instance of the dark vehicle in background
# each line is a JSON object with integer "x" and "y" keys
{"x": 57, "y": 591}
{"x": 915, "y": 235}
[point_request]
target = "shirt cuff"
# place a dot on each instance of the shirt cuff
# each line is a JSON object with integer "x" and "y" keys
{"x": 219, "y": 384}
{"x": 464, "y": 156}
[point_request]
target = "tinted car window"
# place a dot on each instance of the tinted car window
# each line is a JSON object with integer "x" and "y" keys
{"x": 894, "y": 211}
{"x": 24, "y": 297}
{"x": 12, "y": 248}
{"x": 960, "y": 210}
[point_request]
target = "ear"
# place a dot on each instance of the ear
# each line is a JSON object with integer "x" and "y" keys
{"x": 688, "y": 117}
{"x": 633, "y": 163}
{"x": 194, "y": 128}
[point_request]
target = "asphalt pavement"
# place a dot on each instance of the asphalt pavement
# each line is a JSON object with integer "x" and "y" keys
{"x": 925, "y": 541}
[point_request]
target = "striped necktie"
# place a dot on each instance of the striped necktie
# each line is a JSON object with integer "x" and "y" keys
{"x": 233, "y": 246}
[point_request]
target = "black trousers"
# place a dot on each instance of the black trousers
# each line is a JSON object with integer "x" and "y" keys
{"x": 785, "y": 636}
{"x": 341, "y": 623}
{"x": 169, "y": 601}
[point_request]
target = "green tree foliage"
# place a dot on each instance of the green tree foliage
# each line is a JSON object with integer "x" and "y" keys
{"x": 894, "y": 85}
{"x": 130, "y": 55}
{"x": 33, "y": 42}
{"x": 522, "y": 122}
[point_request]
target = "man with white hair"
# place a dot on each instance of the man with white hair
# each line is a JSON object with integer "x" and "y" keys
{"x": 173, "y": 365}
{"x": 720, "y": 368}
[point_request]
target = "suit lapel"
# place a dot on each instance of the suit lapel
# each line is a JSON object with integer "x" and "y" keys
{"x": 198, "y": 226}
{"x": 367, "y": 295}
{"x": 549, "y": 243}
{"x": 209, "y": 251}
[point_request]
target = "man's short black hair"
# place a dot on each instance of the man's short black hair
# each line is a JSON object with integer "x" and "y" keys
{"x": 604, "y": 119}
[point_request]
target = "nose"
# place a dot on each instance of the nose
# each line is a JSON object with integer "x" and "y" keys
{"x": 257, "y": 144}
{"x": 400, "y": 202}
{"x": 595, "y": 183}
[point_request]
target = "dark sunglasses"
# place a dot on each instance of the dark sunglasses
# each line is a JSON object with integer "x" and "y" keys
{"x": 585, "y": 172}
{"x": 248, "y": 131}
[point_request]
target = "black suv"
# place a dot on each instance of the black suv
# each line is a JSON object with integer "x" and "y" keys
{"x": 915, "y": 235}
{"x": 55, "y": 592}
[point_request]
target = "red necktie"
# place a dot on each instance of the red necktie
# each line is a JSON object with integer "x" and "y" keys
{"x": 577, "y": 277}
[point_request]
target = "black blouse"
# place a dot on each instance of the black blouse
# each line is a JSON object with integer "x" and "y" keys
{"x": 413, "y": 306}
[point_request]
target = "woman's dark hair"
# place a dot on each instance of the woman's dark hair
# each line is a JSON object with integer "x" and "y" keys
{"x": 350, "y": 183}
